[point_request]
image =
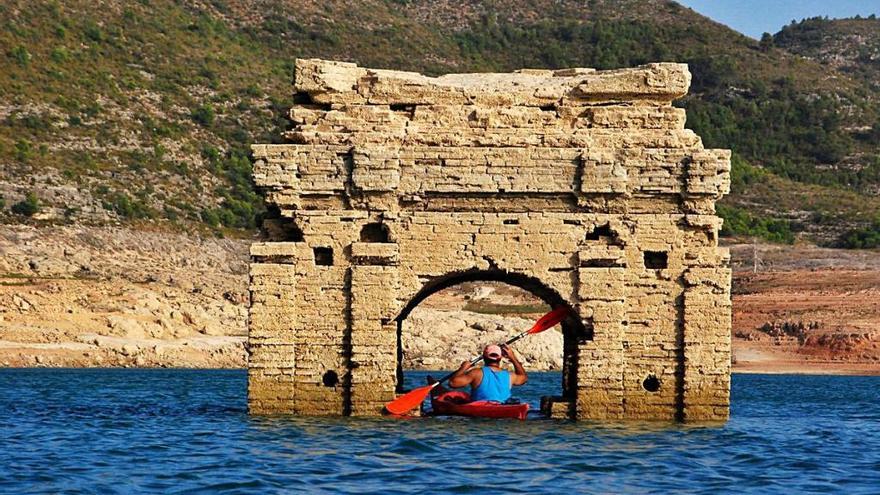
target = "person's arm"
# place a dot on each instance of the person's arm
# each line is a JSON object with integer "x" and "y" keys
{"x": 461, "y": 378}
{"x": 519, "y": 376}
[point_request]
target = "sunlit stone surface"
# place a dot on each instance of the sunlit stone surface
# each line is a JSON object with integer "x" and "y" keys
{"x": 578, "y": 185}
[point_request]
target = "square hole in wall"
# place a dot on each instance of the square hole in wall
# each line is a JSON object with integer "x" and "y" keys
{"x": 375, "y": 232}
{"x": 656, "y": 260}
{"x": 599, "y": 232}
{"x": 323, "y": 256}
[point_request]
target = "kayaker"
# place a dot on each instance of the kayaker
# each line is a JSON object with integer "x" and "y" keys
{"x": 490, "y": 382}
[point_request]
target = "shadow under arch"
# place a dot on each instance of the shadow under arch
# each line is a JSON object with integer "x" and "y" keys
{"x": 574, "y": 331}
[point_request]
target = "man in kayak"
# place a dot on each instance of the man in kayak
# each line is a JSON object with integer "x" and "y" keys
{"x": 490, "y": 382}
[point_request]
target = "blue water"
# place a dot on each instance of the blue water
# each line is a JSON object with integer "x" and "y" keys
{"x": 178, "y": 431}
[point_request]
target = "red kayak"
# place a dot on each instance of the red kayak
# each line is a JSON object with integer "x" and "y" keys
{"x": 455, "y": 403}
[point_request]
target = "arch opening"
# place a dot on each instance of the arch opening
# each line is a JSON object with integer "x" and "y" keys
{"x": 516, "y": 301}
{"x": 529, "y": 284}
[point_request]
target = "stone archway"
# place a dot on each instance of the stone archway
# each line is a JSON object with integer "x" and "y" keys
{"x": 585, "y": 181}
{"x": 575, "y": 330}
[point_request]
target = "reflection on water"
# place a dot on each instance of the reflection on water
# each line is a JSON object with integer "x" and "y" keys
{"x": 149, "y": 431}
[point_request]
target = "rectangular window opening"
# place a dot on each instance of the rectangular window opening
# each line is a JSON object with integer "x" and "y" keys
{"x": 323, "y": 256}
{"x": 656, "y": 260}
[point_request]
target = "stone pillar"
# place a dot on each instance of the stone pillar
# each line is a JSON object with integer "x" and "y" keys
{"x": 707, "y": 315}
{"x": 372, "y": 363}
{"x": 601, "y": 361}
{"x": 272, "y": 362}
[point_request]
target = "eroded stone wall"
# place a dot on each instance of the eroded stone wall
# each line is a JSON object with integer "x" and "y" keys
{"x": 581, "y": 186}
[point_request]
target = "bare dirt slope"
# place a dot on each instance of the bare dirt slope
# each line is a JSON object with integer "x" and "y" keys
{"x": 806, "y": 309}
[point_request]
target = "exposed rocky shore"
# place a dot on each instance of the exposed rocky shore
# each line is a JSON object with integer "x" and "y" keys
{"x": 73, "y": 296}
{"x": 113, "y": 296}
{"x": 806, "y": 310}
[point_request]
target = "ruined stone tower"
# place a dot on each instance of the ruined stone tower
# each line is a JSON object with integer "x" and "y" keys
{"x": 578, "y": 185}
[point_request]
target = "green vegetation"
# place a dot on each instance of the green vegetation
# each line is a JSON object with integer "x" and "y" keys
{"x": 204, "y": 115}
{"x": 21, "y": 56}
{"x": 862, "y": 238}
{"x": 27, "y": 207}
{"x": 167, "y": 129}
{"x": 552, "y": 42}
{"x": 788, "y": 133}
{"x": 740, "y": 222}
{"x": 24, "y": 150}
{"x": 241, "y": 204}
{"x": 127, "y": 207}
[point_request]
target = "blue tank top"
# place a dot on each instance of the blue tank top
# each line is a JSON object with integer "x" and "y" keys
{"x": 494, "y": 386}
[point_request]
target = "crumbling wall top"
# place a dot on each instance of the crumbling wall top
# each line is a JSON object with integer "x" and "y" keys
{"x": 346, "y": 83}
{"x": 386, "y": 140}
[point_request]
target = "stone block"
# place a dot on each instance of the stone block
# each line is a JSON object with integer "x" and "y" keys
{"x": 375, "y": 253}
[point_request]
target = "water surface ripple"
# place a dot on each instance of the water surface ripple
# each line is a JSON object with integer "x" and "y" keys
{"x": 187, "y": 431}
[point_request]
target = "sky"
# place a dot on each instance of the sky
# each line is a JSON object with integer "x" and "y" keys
{"x": 754, "y": 17}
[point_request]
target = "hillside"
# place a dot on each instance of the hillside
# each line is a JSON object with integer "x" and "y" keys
{"x": 850, "y": 46}
{"x": 143, "y": 111}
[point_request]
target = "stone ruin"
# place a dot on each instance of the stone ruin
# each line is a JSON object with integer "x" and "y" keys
{"x": 580, "y": 186}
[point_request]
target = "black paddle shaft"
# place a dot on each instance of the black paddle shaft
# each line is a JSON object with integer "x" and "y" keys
{"x": 477, "y": 359}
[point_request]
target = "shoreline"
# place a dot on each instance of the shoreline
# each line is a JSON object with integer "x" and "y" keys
{"x": 118, "y": 297}
{"x": 794, "y": 370}
{"x": 854, "y": 369}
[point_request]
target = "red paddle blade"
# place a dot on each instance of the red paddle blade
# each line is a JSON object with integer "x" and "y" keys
{"x": 408, "y": 401}
{"x": 549, "y": 320}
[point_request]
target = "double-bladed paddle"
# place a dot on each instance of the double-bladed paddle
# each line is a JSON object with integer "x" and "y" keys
{"x": 410, "y": 400}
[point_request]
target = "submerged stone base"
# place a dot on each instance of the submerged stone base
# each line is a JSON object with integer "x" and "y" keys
{"x": 580, "y": 186}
